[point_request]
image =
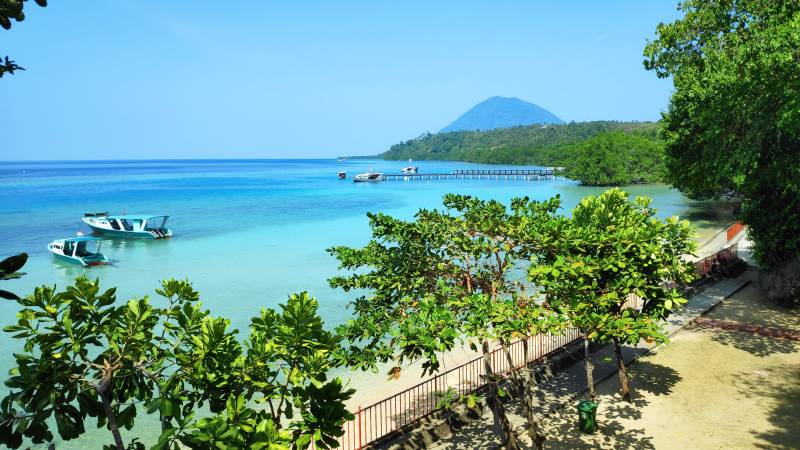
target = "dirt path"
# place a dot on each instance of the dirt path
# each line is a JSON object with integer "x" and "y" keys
{"x": 709, "y": 388}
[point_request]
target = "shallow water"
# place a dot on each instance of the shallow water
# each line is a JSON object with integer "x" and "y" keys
{"x": 246, "y": 232}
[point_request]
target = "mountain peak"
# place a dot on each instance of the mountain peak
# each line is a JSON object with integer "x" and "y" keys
{"x": 502, "y": 112}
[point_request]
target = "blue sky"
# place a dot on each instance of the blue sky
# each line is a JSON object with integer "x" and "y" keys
{"x": 128, "y": 79}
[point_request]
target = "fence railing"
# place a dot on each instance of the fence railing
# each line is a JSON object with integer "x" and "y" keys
{"x": 394, "y": 413}
{"x": 722, "y": 258}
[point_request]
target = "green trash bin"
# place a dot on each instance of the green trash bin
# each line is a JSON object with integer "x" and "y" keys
{"x": 587, "y": 416}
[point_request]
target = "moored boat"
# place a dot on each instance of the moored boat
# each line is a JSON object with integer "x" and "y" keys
{"x": 409, "y": 170}
{"x": 126, "y": 225}
{"x": 83, "y": 250}
{"x": 342, "y": 175}
{"x": 368, "y": 177}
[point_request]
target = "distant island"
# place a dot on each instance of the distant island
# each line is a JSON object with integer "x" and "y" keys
{"x": 502, "y": 112}
{"x": 601, "y": 153}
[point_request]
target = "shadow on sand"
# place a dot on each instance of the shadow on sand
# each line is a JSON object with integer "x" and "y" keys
{"x": 750, "y": 307}
{"x": 785, "y": 391}
{"x": 645, "y": 377}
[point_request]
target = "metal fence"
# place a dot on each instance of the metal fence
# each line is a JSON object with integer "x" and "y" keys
{"x": 392, "y": 414}
{"x": 722, "y": 258}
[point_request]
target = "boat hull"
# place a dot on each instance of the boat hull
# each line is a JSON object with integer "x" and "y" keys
{"x": 80, "y": 261}
{"x": 128, "y": 234}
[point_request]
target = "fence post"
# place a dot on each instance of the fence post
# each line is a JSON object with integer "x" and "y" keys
{"x": 541, "y": 336}
{"x": 360, "y": 426}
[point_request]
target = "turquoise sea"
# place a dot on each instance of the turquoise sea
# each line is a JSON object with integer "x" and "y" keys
{"x": 246, "y": 232}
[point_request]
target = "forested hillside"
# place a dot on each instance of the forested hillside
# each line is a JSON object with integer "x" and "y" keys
{"x": 535, "y": 144}
{"x": 601, "y": 152}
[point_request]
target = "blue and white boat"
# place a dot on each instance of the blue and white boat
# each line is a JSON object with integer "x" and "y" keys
{"x": 83, "y": 250}
{"x": 368, "y": 176}
{"x": 126, "y": 225}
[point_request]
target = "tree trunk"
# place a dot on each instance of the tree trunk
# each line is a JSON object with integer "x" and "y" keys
{"x": 587, "y": 358}
{"x": 496, "y": 403}
{"x": 105, "y": 396}
{"x": 623, "y": 373}
{"x": 526, "y": 396}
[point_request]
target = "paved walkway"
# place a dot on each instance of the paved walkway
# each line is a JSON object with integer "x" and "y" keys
{"x": 781, "y": 333}
{"x": 563, "y": 389}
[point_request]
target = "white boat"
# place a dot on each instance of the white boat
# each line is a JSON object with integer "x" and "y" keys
{"x": 138, "y": 226}
{"x": 368, "y": 177}
{"x": 409, "y": 170}
{"x": 83, "y": 250}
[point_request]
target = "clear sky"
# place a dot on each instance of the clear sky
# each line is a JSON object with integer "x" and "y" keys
{"x": 127, "y": 79}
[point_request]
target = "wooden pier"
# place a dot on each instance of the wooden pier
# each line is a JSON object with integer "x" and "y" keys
{"x": 478, "y": 174}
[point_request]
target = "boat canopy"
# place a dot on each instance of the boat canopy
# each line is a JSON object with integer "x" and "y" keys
{"x": 126, "y": 216}
{"x": 137, "y": 217}
{"x": 81, "y": 239}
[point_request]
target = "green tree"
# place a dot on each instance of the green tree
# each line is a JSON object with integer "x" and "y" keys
{"x": 426, "y": 285}
{"x": 12, "y": 9}
{"x": 85, "y": 356}
{"x": 733, "y": 122}
{"x": 289, "y": 354}
{"x": 614, "y": 159}
{"x": 613, "y": 249}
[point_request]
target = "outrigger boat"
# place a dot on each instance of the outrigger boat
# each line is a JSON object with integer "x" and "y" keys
{"x": 138, "y": 226}
{"x": 83, "y": 250}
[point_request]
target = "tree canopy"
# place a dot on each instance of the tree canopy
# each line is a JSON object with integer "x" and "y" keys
{"x": 609, "y": 250}
{"x": 86, "y": 357}
{"x": 615, "y": 159}
{"x": 445, "y": 278}
{"x": 733, "y": 122}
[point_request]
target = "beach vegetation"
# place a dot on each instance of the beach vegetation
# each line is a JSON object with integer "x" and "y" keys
{"x": 610, "y": 251}
{"x": 448, "y": 278}
{"x": 732, "y": 127}
{"x": 87, "y": 357}
{"x": 614, "y": 159}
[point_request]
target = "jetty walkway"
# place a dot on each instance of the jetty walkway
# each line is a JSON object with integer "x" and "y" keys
{"x": 479, "y": 174}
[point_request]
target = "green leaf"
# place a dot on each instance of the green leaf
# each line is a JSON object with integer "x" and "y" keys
{"x": 8, "y": 295}
{"x": 13, "y": 263}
